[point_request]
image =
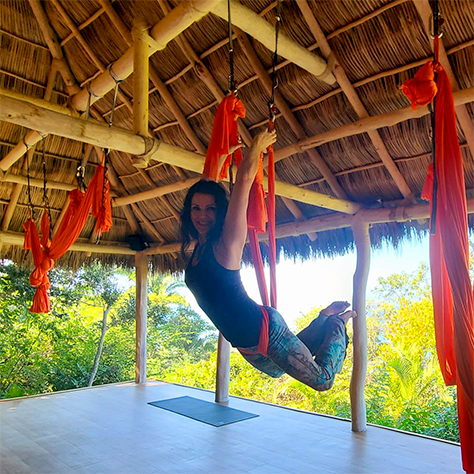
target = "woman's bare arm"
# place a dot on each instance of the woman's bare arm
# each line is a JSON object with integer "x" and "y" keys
{"x": 229, "y": 249}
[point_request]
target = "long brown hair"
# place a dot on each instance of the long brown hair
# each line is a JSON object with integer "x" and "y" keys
{"x": 188, "y": 231}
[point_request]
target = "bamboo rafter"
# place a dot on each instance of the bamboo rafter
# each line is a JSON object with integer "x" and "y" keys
{"x": 354, "y": 99}
{"x": 324, "y": 97}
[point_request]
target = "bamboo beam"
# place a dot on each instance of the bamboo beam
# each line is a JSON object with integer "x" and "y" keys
{"x": 53, "y": 44}
{"x": 116, "y": 21}
{"x": 222, "y": 370}
{"x": 140, "y": 81}
{"x": 374, "y": 122}
{"x": 340, "y": 221}
{"x": 353, "y": 98}
{"x": 424, "y": 10}
{"x": 37, "y": 183}
{"x": 359, "y": 371}
{"x": 157, "y": 82}
{"x": 185, "y": 14}
{"x": 17, "y": 239}
{"x": 22, "y": 113}
{"x": 147, "y": 224}
{"x": 30, "y": 153}
{"x": 83, "y": 25}
{"x": 154, "y": 193}
{"x": 249, "y": 21}
{"x": 367, "y": 80}
{"x": 15, "y": 195}
{"x": 23, "y": 40}
{"x": 141, "y": 266}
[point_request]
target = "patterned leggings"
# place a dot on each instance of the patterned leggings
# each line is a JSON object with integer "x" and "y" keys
{"x": 313, "y": 357}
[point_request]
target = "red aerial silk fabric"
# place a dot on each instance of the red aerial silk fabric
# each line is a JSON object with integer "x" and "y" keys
{"x": 453, "y": 298}
{"x": 225, "y": 135}
{"x": 45, "y": 252}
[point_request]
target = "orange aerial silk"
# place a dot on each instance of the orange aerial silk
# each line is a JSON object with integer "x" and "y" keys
{"x": 45, "y": 252}
{"x": 224, "y": 136}
{"x": 453, "y": 298}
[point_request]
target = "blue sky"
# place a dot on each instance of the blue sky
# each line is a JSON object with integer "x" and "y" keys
{"x": 302, "y": 286}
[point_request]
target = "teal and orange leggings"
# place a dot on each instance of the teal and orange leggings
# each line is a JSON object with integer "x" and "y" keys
{"x": 313, "y": 357}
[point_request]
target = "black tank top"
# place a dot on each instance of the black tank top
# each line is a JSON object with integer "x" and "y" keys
{"x": 221, "y": 295}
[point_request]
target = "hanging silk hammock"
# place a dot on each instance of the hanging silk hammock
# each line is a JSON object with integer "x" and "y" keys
{"x": 453, "y": 299}
{"x": 46, "y": 251}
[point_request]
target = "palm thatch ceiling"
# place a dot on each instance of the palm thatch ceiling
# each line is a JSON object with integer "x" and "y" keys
{"x": 348, "y": 141}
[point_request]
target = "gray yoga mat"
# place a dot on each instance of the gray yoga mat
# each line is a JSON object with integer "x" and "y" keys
{"x": 200, "y": 410}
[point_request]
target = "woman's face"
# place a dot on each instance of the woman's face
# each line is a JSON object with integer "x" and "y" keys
{"x": 203, "y": 212}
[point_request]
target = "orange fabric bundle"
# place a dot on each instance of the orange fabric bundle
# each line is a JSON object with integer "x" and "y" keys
{"x": 225, "y": 135}
{"x": 453, "y": 297}
{"x": 46, "y": 252}
{"x": 422, "y": 89}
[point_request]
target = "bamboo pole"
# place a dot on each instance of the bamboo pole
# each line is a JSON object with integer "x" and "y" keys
{"x": 223, "y": 370}
{"x": 140, "y": 81}
{"x": 374, "y": 122}
{"x": 15, "y": 195}
{"x": 180, "y": 18}
{"x": 353, "y": 98}
{"x": 37, "y": 183}
{"x": 141, "y": 266}
{"x": 53, "y": 44}
{"x": 17, "y": 239}
{"x": 250, "y": 22}
{"x": 359, "y": 371}
{"x": 154, "y": 193}
{"x": 23, "y": 113}
{"x": 294, "y": 229}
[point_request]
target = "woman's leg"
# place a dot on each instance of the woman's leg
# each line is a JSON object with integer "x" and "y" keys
{"x": 313, "y": 335}
{"x": 262, "y": 363}
{"x": 292, "y": 356}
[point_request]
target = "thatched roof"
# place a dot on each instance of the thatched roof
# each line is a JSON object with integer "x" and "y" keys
{"x": 53, "y": 49}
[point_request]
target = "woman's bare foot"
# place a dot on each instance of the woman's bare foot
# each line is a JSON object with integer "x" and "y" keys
{"x": 347, "y": 315}
{"x": 337, "y": 307}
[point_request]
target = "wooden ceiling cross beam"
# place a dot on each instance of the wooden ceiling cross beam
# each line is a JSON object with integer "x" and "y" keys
{"x": 60, "y": 64}
{"x": 180, "y": 18}
{"x": 257, "y": 27}
{"x": 15, "y": 108}
{"x": 17, "y": 189}
{"x": 424, "y": 10}
{"x": 373, "y": 122}
{"x": 354, "y": 99}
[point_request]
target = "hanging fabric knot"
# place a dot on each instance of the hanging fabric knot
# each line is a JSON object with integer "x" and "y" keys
{"x": 225, "y": 135}
{"x": 46, "y": 251}
{"x": 422, "y": 89}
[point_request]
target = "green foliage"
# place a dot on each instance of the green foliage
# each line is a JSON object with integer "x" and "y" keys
{"x": 48, "y": 352}
{"x": 56, "y": 351}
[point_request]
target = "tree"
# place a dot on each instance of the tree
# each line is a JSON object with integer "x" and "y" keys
{"x": 103, "y": 289}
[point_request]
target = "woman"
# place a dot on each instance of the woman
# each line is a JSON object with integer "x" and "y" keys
{"x": 219, "y": 226}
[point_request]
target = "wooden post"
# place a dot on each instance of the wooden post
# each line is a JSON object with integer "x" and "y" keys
{"x": 140, "y": 81}
{"x": 141, "y": 265}
{"x": 223, "y": 370}
{"x": 362, "y": 241}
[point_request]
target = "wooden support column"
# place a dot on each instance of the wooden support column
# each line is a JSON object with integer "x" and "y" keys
{"x": 140, "y": 81}
{"x": 223, "y": 370}
{"x": 359, "y": 371}
{"x": 141, "y": 266}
